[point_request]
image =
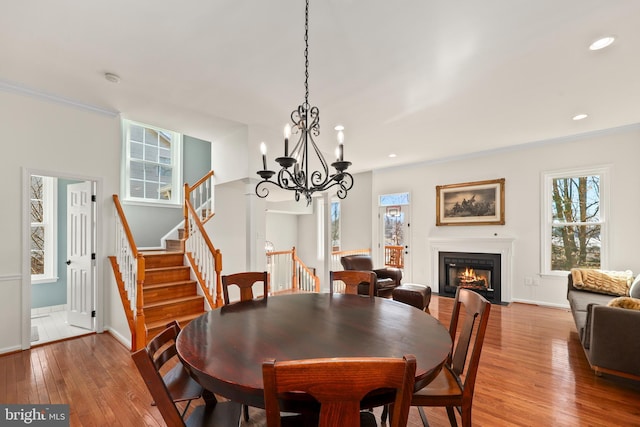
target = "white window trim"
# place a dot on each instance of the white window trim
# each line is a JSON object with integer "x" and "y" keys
{"x": 50, "y": 214}
{"x": 547, "y": 218}
{"x": 176, "y": 159}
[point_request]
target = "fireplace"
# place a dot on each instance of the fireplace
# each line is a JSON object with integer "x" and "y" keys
{"x": 480, "y": 272}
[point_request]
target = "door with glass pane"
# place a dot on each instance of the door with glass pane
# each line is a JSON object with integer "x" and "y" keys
{"x": 395, "y": 234}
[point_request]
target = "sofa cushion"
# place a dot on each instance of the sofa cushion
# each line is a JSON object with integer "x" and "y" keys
{"x": 580, "y": 299}
{"x": 605, "y": 282}
{"x": 625, "y": 302}
{"x": 634, "y": 291}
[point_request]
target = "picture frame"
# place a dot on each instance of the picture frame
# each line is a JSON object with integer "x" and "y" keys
{"x": 471, "y": 203}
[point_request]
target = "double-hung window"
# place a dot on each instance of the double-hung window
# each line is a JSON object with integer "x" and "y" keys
{"x": 152, "y": 170}
{"x": 574, "y": 225}
{"x": 43, "y": 229}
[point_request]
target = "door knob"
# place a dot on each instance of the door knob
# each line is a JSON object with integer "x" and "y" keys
{"x": 68, "y": 262}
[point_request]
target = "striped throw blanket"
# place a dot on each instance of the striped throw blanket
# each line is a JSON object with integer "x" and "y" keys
{"x": 601, "y": 281}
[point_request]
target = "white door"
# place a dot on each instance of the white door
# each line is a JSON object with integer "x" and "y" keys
{"x": 80, "y": 272}
{"x": 395, "y": 231}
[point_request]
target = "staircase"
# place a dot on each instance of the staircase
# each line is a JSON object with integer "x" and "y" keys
{"x": 168, "y": 291}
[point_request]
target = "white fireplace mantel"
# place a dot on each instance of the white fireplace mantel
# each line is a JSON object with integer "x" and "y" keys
{"x": 489, "y": 245}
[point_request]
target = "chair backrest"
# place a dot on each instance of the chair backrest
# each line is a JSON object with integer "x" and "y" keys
{"x": 353, "y": 278}
{"x": 150, "y": 373}
{"x": 357, "y": 262}
{"x": 339, "y": 384}
{"x": 475, "y": 309}
{"x": 162, "y": 347}
{"x": 245, "y": 282}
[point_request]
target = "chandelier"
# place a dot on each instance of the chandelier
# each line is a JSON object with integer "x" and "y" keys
{"x": 294, "y": 174}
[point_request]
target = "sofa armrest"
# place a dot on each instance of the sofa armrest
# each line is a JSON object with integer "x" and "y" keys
{"x": 615, "y": 339}
{"x": 390, "y": 273}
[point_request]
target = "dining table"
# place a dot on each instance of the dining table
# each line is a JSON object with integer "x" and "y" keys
{"x": 224, "y": 348}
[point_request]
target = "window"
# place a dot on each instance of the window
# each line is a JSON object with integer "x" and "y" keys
{"x": 575, "y": 220}
{"x": 335, "y": 226}
{"x": 43, "y": 229}
{"x": 152, "y": 164}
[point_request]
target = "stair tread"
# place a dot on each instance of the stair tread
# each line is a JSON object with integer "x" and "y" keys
{"x": 172, "y": 301}
{"x": 181, "y": 319}
{"x": 169, "y": 267}
{"x": 154, "y": 286}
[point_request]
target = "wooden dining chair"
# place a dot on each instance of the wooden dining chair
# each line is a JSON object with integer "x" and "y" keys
{"x": 245, "y": 281}
{"x": 163, "y": 353}
{"x": 453, "y": 387}
{"x": 339, "y": 385}
{"x": 212, "y": 414}
{"x": 353, "y": 280}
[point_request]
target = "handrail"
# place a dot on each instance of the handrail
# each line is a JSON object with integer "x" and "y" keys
{"x": 125, "y": 225}
{"x": 128, "y": 267}
{"x": 205, "y": 259}
{"x": 288, "y": 273}
{"x": 201, "y": 197}
{"x": 393, "y": 256}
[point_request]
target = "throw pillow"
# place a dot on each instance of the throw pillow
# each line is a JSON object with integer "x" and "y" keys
{"x": 634, "y": 292}
{"x": 625, "y": 302}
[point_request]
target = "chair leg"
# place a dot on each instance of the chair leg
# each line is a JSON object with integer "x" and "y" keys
{"x": 452, "y": 416}
{"x": 245, "y": 410}
{"x": 423, "y": 417}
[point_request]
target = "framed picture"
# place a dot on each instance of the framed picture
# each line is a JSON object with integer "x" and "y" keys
{"x": 471, "y": 203}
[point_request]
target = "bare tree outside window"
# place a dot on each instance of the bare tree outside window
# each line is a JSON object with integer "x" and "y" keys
{"x": 335, "y": 226}
{"x": 576, "y": 227}
{"x": 37, "y": 225}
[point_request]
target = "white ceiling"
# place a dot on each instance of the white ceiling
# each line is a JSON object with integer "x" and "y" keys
{"x": 425, "y": 79}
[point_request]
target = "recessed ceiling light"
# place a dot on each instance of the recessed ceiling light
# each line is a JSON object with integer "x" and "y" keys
{"x": 601, "y": 43}
{"x": 339, "y": 128}
{"x": 113, "y": 78}
{"x": 579, "y": 117}
{"x": 392, "y": 155}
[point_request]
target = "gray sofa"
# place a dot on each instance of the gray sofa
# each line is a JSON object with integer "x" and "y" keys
{"x": 610, "y": 336}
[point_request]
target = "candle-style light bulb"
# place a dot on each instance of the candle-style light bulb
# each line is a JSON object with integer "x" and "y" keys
{"x": 263, "y": 150}
{"x": 341, "y": 145}
{"x": 287, "y": 134}
{"x": 337, "y": 153}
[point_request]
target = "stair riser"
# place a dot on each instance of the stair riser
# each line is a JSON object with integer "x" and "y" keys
{"x": 169, "y": 292}
{"x": 159, "y": 261}
{"x": 164, "y": 276}
{"x": 172, "y": 310}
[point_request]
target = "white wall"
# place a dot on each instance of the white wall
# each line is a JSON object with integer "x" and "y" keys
{"x": 522, "y": 168}
{"x": 65, "y": 140}
{"x": 282, "y": 230}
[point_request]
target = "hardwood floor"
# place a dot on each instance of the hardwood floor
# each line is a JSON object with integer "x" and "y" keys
{"x": 533, "y": 372}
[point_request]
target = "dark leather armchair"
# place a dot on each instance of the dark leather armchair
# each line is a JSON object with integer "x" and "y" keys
{"x": 388, "y": 278}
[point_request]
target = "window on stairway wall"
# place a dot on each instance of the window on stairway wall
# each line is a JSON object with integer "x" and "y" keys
{"x": 43, "y": 229}
{"x": 335, "y": 225}
{"x": 575, "y": 220}
{"x": 151, "y": 166}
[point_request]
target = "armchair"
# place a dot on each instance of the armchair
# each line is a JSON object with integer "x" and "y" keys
{"x": 388, "y": 278}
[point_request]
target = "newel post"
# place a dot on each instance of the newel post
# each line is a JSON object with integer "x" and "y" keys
{"x": 185, "y": 211}
{"x": 217, "y": 259}
{"x": 294, "y": 275}
{"x": 139, "y": 340}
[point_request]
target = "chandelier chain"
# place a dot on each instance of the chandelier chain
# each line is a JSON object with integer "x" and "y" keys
{"x": 306, "y": 55}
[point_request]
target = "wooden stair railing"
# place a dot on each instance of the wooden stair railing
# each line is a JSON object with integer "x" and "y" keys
{"x": 205, "y": 259}
{"x": 394, "y": 256}
{"x": 288, "y": 273}
{"x": 128, "y": 267}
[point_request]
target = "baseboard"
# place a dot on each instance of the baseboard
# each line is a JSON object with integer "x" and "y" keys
{"x": 542, "y": 304}
{"x": 121, "y": 339}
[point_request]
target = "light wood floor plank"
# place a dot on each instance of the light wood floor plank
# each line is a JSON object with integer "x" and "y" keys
{"x": 533, "y": 372}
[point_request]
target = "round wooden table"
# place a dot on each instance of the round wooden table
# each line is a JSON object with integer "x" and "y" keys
{"x": 224, "y": 348}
